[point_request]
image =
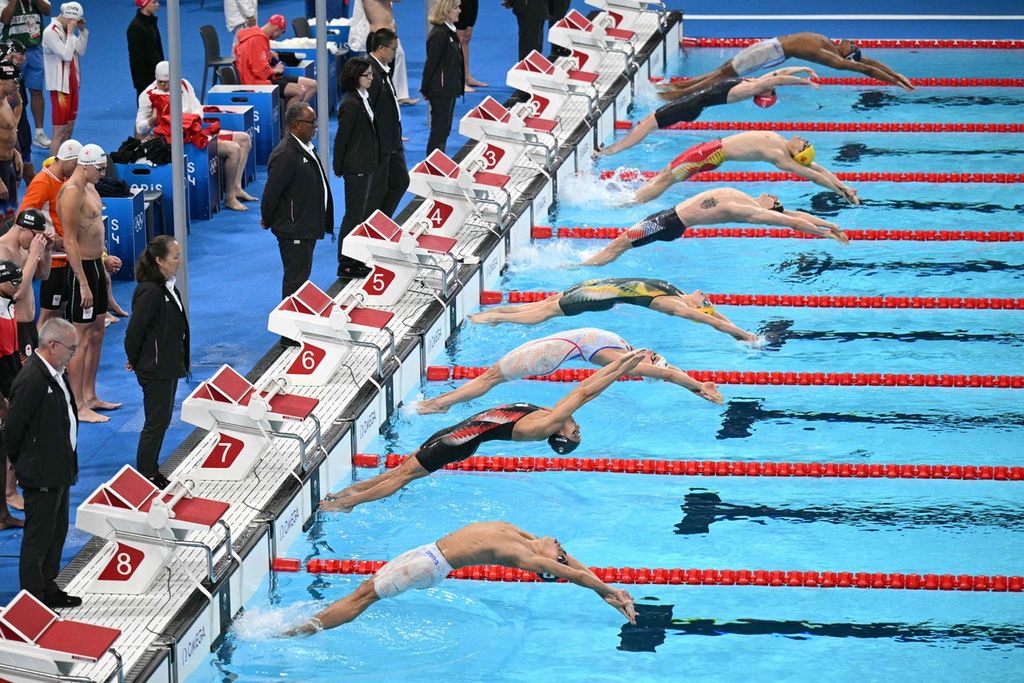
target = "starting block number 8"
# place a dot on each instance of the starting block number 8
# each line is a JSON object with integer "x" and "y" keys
{"x": 123, "y": 564}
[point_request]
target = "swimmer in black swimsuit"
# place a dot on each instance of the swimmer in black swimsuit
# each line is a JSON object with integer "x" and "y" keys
{"x": 727, "y": 91}
{"x": 513, "y": 422}
{"x": 604, "y": 294}
{"x": 722, "y": 205}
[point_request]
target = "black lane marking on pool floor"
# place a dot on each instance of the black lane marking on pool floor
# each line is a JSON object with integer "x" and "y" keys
{"x": 778, "y": 331}
{"x": 830, "y": 204}
{"x": 807, "y": 266}
{"x": 871, "y": 100}
{"x": 655, "y": 622}
{"x": 853, "y": 152}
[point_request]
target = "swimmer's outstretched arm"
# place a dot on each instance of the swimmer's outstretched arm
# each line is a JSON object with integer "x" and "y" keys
{"x": 894, "y": 77}
{"x": 575, "y": 572}
{"x": 818, "y": 175}
{"x": 673, "y": 306}
{"x": 706, "y": 390}
{"x": 798, "y": 223}
{"x": 868, "y": 67}
{"x": 748, "y": 89}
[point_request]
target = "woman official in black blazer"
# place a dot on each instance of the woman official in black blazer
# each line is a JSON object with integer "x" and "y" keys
{"x": 157, "y": 345}
{"x": 444, "y": 73}
{"x": 356, "y": 155}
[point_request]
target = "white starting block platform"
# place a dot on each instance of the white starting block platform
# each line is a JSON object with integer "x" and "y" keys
{"x": 592, "y": 43}
{"x": 244, "y": 418}
{"x": 439, "y": 175}
{"x": 146, "y": 524}
{"x": 37, "y": 644}
{"x": 327, "y": 331}
{"x": 631, "y": 15}
{"x": 551, "y": 85}
{"x": 508, "y": 137}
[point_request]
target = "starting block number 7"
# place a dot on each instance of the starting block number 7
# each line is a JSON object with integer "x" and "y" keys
{"x": 224, "y": 452}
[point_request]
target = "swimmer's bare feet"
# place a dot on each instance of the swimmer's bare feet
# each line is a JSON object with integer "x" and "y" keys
{"x": 336, "y": 505}
{"x": 235, "y": 205}
{"x": 409, "y": 101}
{"x": 482, "y": 318}
{"x": 15, "y": 501}
{"x": 97, "y": 404}
{"x": 475, "y": 83}
{"x": 244, "y": 196}
{"x": 91, "y": 416}
{"x": 597, "y": 153}
{"x": 430, "y": 407}
{"x": 8, "y": 521}
{"x": 468, "y": 88}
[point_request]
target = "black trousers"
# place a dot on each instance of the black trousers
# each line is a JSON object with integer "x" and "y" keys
{"x": 442, "y": 111}
{"x": 46, "y": 527}
{"x": 531, "y": 34}
{"x": 357, "y": 207}
{"x": 158, "y": 404}
{"x": 390, "y": 182}
{"x": 297, "y": 259}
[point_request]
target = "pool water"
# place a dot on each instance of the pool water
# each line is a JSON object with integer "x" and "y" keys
{"x": 475, "y": 631}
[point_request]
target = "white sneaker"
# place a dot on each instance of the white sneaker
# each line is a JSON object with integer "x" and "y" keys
{"x": 41, "y": 140}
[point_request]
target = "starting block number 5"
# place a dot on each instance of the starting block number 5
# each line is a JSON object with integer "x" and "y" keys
{"x": 379, "y": 281}
{"x": 123, "y": 564}
{"x": 224, "y": 452}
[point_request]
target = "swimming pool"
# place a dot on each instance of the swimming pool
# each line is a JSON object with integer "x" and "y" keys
{"x": 472, "y": 630}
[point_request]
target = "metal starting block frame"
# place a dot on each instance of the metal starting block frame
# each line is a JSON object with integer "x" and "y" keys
{"x": 550, "y": 85}
{"x": 507, "y": 137}
{"x": 592, "y": 42}
{"x": 37, "y": 644}
{"x": 439, "y": 175}
{"x": 244, "y": 419}
{"x": 147, "y": 524}
{"x": 626, "y": 13}
{"x": 327, "y": 332}
{"x": 396, "y": 255}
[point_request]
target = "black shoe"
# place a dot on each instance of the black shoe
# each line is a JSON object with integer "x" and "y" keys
{"x": 62, "y": 599}
{"x": 353, "y": 269}
{"x": 285, "y": 342}
{"x": 159, "y": 481}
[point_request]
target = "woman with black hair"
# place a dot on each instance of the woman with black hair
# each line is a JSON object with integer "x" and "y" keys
{"x": 157, "y": 346}
{"x": 356, "y": 155}
{"x": 444, "y": 73}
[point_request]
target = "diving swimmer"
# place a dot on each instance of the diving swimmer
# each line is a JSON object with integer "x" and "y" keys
{"x": 795, "y": 155}
{"x": 722, "y": 205}
{"x": 604, "y": 294}
{"x": 512, "y": 422}
{"x": 726, "y": 91}
{"x": 811, "y": 47}
{"x": 498, "y": 543}
{"x": 543, "y": 356}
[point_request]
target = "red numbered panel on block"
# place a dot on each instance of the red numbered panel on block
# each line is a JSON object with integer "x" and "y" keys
{"x": 224, "y": 453}
{"x": 123, "y": 564}
{"x": 307, "y": 360}
{"x": 378, "y": 281}
{"x": 439, "y": 213}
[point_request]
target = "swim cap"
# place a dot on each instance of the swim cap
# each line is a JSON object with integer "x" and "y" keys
{"x": 69, "y": 149}
{"x": 562, "y": 444}
{"x": 162, "y": 72}
{"x": 854, "y": 55}
{"x": 11, "y": 46}
{"x": 9, "y": 270}
{"x": 32, "y": 219}
{"x": 9, "y": 72}
{"x": 805, "y": 157}
{"x": 91, "y": 155}
{"x": 278, "y": 21}
{"x": 141, "y": 4}
{"x": 71, "y": 10}
{"x": 766, "y": 99}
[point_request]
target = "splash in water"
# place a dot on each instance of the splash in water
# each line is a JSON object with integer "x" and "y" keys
{"x": 586, "y": 190}
{"x": 268, "y": 624}
{"x": 559, "y": 254}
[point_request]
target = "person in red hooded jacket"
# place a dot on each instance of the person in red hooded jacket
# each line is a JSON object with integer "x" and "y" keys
{"x": 257, "y": 64}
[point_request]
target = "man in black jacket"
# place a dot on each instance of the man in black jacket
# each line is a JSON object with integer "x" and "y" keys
{"x": 145, "y": 49}
{"x": 392, "y": 178}
{"x": 42, "y": 437}
{"x": 297, "y": 205}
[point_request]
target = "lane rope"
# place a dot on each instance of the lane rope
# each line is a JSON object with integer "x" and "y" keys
{"x": 899, "y": 43}
{"x": 438, "y": 373}
{"x": 488, "y": 297}
{"x": 607, "y": 232}
{"x": 984, "y": 583}
{"x": 712, "y": 468}
{"x": 857, "y": 177}
{"x": 925, "y": 82}
{"x": 840, "y": 126}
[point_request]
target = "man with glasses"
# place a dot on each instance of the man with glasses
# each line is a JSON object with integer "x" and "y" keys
{"x": 81, "y": 213}
{"x": 41, "y": 437}
{"x": 297, "y": 205}
{"x": 392, "y": 178}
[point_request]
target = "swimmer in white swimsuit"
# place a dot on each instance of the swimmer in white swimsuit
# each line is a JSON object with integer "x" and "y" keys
{"x": 488, "y": 543}
{"x": 544, "y": 356}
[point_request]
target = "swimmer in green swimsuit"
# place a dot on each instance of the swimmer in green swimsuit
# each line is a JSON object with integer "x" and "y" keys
{"x": 604, "y": 294}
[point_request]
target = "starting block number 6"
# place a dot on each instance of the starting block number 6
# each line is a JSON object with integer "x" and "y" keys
{"x": 307, "y": 361}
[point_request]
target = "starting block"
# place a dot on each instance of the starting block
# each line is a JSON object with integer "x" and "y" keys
{"x": 624, "y": 14}
{"x": 146, "y": 524}
{"x": 591, "y": 42}
{"x": 36, "y": 640}
{"x": 438, "y": 175}
{"x": 327, "y": 332}
{"x": 550, "y": 85}
{"x": 245, "y": 418}
{"x": 381, "y": 241}
{"x": 507, "y": 136}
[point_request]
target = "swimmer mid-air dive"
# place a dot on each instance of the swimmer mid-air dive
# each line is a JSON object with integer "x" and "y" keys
{"x": 513, "y": 422}
{"x": 545, "y": 355}
{"x": 811, "y": 47}
{"x": 498, "y": 543}
{"x": 723, "y": 205}
{"x": 727, "y": 91}
{"x": 795, "y": 155}
{"x": 603, "y": 294}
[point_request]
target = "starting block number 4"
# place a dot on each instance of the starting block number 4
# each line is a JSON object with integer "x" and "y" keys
{"x": 307, "y": 361}
{"x": 123, "y": 564}
{"x": 439, "y": 214}
{"x": 224, "y": 452}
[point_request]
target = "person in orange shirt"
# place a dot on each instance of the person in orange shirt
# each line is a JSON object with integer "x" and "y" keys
{"x": 42, "y": 195}
{"x": 257, "y": 64}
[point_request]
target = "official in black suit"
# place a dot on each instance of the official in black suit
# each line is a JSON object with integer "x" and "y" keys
{"x": 42, "y": 437}
{"x": 531, "y": 15}
{"x": 156, "y": 344}
{"x": 297, "y": 205}
{"x": 391, "y": 179}
{"x": 356, "y": 155}
{"x": 444, "y": 73}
